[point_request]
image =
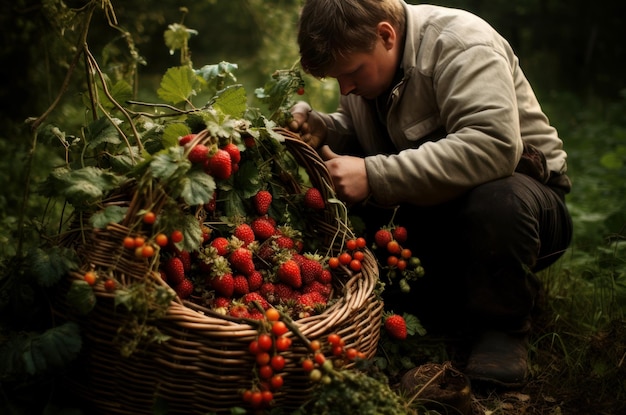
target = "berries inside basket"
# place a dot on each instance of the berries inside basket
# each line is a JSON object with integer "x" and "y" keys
{"x": 182, "y": 260}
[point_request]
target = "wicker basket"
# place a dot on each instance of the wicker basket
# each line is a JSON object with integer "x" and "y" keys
{"x": 205, "y": 364}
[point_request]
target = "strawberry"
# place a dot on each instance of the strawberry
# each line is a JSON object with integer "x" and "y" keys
{"x": 185, "y": 258}
{"x": 175, "y": 271}
{"x": 241, "y": 260}
{"x": 255, "y": 281}
{"x": 283, "y": 292}
{"x": 256, "y": 314}
{"x": 211, "y": 205}
{"x": 184, "y": 289}
{"x": 262, "y": 228}
{"x": 289, "y": 273}
{"x": 325, "y": 277}
{"x": 244, "y": 233}
{"x": 219, "y": 165}
{"x": 223, "y": 285}
{"x": 250, "y": 297}
{"x": 221, "y": 245}
{"x": 240, "y": 285}
{"x": 313, "y": 199}
{"x": 267, "y": 290}
{"x": 262, "y": 201}
{"x": 382, "y": 237}
{"x": 198, "y": 154}
{"x": 239, "y": 310}
{"x": 221, "y": 302}
{"x": 311, "y": 300}
{"x": 249, "y": 141}
{"x": 400, "y": 234}
{"x": 266, "y": 253}
{"x": 310, "y": 270}
{"x": 396, "y": 326}
{"x": 182, "y": 141}
{"x": 285, "y": 242}
{"x": 318, "y": 287}
{"x": 233, "y": 150}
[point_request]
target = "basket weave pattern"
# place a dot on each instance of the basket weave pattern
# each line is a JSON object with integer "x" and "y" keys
{"x": 205, "y": 363}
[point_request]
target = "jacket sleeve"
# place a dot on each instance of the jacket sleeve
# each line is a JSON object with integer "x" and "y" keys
{"x": 475, "y": 93}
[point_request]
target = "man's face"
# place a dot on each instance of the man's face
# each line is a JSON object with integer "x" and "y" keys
{"x": 367, "y": 74}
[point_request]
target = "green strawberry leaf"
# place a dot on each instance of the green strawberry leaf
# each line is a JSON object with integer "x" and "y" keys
{"x": 413, "y": 325}
{"x": 169, "y": 164}
{"x": 197, "y": 188}
{"x": 219, "y": 75}
{"x": 121, "y": 91}
{"x": 172, "y": 132}
{"x": 231, "y": 101}
{"x": 102, "y": 131}
{"x": 49, "y": 266}
{"x": 110, "y": 214}
{"x": 80, "y": 187}
{"x": 176, "y": 36}
{"x": 247, "y": 180}
{"x": 81, "y": 297}
{"x": 193, "y": 233}
{"x": 177, "y": 85}
{"x": 37, "y": 353}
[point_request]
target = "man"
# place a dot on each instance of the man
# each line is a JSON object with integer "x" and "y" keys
{"x": 437, "y": 118}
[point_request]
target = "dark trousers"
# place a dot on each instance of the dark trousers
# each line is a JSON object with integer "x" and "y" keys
{"x": 480, "y": 253}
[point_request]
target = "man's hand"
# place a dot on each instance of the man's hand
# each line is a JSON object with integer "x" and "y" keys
{"x": 308, "y": 123}
{"x": 348, "y": 174}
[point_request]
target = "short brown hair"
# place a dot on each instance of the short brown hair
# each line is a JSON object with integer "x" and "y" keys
{"x": 329, "y": 29}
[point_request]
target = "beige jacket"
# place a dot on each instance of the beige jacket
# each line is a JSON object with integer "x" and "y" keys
{"x": 458, "y": 117}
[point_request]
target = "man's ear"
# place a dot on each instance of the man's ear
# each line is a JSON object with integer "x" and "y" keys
{"x": 388, "y": 34}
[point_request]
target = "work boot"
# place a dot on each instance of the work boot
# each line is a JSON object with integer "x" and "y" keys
{"x": 500, "y": 359}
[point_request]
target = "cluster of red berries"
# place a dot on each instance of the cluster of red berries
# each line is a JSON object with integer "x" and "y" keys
{"x": 397, "y": 260}
{"x": 269, "y": 362}
{"x": 323, "y": 362}
{"x": 219, "y": 162}
{"x": 352, "y": 256}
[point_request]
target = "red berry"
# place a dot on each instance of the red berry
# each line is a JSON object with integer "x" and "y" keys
{"x": 199, "y": 154}
{"x": 277, "y": 362}
{"x": 186, "y": 139}
{"x": 233, "y": 150}
{"x": 400, "y": 234}
{"x": 396, "y": 326}
{"x": 283, "y": 343}
{"x": 279, "y": 328}
{"x": 244, "y": 233}
{"x": 289, "y": 273}
{"x": 219, "y": 165}
{"x": 161, "y": 239}
{"x": 345, "y": 258}
{"x": 176, "y": 236}
{"x": 313, "y": 199}
{"x": 90, "y": 277}
{"x": 393, "y": 247}
{"x": 262, "y": 201}
{"x": 265, "y": 342}
{"x": 184, "y": 289}
{"x": 382, "y": 238}
{"x": 149, "y": 218}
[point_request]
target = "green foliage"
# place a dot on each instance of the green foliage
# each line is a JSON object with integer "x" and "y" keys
{"x": 39, "y": 353}
{"x": 356, "y": 392}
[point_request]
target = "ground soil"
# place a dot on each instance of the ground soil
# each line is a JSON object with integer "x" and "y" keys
{"x": 565, "y": 379}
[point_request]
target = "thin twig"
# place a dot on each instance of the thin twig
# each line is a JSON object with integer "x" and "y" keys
{"x": 94, "y": 63}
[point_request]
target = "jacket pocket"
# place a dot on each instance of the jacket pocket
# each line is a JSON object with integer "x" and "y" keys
{"x": 421, "y": 129}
